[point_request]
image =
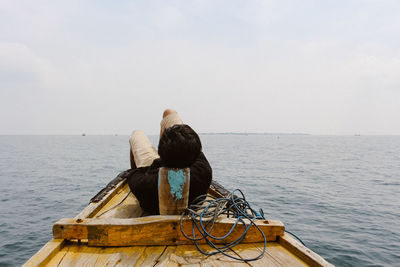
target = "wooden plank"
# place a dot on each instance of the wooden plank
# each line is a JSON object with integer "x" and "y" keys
{"x": 125, "y": 256}
{"x": 217, "y": 190}
{"x": 283, "y": 256}
{"x": 248, "y": 251}
{"x": 188, "y": 255}
{"x": 43, "y": 256}
{"x": 76, "y": 255}
{"x": 280, "y": 254}
{"x": 164, "y": 259}
{"x": 123, "y": 205}
{"x": 173, "y": 190}
{"x": 111, "y": 185}
{"x": 151, "y": 255}
{"x": 155, "y": 230}
{"x": 81, "y": 255}
{"x": 94, "y": 207}
{"x": 304, "y": 253}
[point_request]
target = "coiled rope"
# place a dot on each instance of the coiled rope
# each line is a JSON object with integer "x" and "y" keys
{"x": 206, "y": 209}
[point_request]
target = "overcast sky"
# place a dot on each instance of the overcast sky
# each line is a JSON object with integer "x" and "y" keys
{"x": 106, "y": 67}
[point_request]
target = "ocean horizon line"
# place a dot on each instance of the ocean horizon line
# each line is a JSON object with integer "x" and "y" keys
{"x": 207, "y": 133}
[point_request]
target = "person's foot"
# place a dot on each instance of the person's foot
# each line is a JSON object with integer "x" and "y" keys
{"x": 168, "y": 112}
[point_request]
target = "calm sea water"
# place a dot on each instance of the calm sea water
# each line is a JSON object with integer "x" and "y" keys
{"x": 339, "y": 194}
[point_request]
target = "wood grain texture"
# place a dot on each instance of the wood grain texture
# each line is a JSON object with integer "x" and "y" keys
{"x": 188, "y": 255}
{"x": 173, "y": 190}
{"x": 164, "y": 259}
{"x": 304, "y": 253}
{"x": 283, "y": 256}
{"x": 111, "y": 185}
{"x": 93, "y": 208}
{"x": 81, "y": 255}
{"x": 248, "y": 251}
{"x": 154, "y": 230}
{"x": 75, "y": 254}
{"x": 43, "y": 256}
{"x": 217, "y": 190}
{"x": 124, "y": 204}
{"x": 151, "y": 255}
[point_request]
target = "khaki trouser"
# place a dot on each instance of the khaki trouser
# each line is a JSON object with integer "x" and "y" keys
{"x": 143, "y": 151}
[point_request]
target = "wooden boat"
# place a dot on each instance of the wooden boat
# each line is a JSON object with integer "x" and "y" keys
{"x": 112, "y": 231}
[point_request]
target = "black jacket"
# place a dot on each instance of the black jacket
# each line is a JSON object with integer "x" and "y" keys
{"x": 144, "y": 182}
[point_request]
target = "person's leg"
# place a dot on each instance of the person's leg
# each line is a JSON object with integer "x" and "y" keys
{"x": 142, "y": 152}
{"x": 170, "y": 118}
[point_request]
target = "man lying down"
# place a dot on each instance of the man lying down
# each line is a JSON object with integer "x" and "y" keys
{"x": 179, "y": 147}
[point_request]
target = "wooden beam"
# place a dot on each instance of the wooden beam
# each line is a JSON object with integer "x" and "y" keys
{"x": 304, "y": 253}
{"x": 173, "y": 190}
{"x": 155, "y": 230}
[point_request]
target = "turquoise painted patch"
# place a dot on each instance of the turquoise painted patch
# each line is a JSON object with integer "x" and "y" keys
{"x": 176, "y": 180}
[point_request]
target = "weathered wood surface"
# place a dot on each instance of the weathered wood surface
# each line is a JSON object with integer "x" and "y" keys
{"x": 59, "y": 252}
{"x": 252, "y": 250}
{"x": 111, "y": 185}
{"x": 124, "y": 204}
{"x": 173, "y": 190}
{"x": 188, "y": 255}
{"x": 155, "y": 230}
{"x": 49, "y": 250}
{"x": 304, "y": 253}
{"x": 217, "y": 190}
{"x": 79, "y": 254}
{"x": 275, "y": 255}
{"x": 94, "y": 207}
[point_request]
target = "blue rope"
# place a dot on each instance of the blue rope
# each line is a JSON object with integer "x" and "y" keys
{"x": 204, "y": 212}
{"x": 295, "y": 237}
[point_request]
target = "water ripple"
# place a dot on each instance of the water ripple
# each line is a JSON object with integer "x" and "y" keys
{"x": 341, "y": 195}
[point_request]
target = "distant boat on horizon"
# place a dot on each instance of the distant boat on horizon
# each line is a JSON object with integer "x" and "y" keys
{"x": 83, "y": 134}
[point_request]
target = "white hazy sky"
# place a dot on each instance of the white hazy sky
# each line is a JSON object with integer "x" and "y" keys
{"x": 105, "y": 67}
